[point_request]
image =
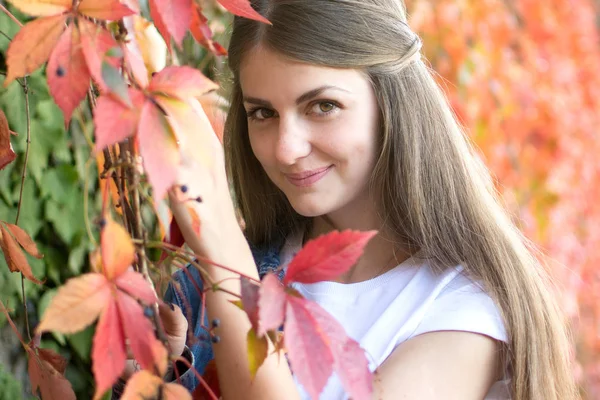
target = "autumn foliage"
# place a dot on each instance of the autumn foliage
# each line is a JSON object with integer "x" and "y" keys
{"x": 523, "y": 80}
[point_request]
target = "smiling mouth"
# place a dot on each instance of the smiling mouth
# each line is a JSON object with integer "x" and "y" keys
{"x": 307, "y": 178}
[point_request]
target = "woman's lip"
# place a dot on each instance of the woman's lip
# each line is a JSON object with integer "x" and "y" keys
{"x": 307, "y": 178}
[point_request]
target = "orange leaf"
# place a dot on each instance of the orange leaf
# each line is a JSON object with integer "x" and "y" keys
{"x": 144, "y": 385}
{"x": 15, "y": 258}
{"x": 146, "y": 349}
{"x": 117, "y": 249}
{"x": 242, "y": 8}
{"x": 96, "y": 42}
{"x": 7, "y": 155}
{"x": 108, "y": 351}
{"x": 32, "y": 46}
{"x": 181, "y": 82}
{"x": 46, "y": 380}
{"x": 192, "y": 129}
{"x": 134, "y": 284}
{"x": 104, "y": 9}
{"x": 42, "y": 8}
{"x": 67, "y": 72}
{"x": 214, "y": 106}
{"x": 176, "y": 16}
{"x": 159, "y": 150}
{"x": 114, "y": 121}
{"x": 77, "y": 304}
{"x": 24, "y": 240}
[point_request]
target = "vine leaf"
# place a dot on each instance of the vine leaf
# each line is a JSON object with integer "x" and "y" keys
{"x": 68, "y": 74}
{"x": 42, "y": 8}
{"x": 328, "y": 257}
{"x": 201, "y": 31}
{"x": 175, "y": 17}
{"x": 105, "y": 9}
{"x": 14, "y": 256}
{"x": 32, "y": 45}
{"x": 7, "y": 154}
{"x": 243, "y": 8}
{"x": 316, "y": 343}
{"x": 110, "y": 295}
{"x": 45, "y": 378}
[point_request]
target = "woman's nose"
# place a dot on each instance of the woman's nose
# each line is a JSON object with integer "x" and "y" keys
{"x": 292, "y": 141}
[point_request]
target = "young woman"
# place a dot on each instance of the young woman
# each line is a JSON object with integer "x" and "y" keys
{"x": 336, "y": 123}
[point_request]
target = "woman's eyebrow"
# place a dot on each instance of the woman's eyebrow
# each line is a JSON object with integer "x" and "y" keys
{"x": 301, "y": 99}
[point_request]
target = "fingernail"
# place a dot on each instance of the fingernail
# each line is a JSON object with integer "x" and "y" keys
{"x": 172, "y": 306}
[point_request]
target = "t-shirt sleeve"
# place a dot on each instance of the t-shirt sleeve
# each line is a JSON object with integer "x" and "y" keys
{"x": 463, "y": 306}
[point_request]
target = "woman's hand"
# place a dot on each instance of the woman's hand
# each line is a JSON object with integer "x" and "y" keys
{"x": 175, "y": 325}
{"x": 203, "y": 187}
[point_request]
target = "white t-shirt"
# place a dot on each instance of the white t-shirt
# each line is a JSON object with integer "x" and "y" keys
{"x": 402, "y": 303}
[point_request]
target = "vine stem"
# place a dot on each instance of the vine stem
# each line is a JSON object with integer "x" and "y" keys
{"x": 23, "y": 175}
{"x": 10, "y": 15}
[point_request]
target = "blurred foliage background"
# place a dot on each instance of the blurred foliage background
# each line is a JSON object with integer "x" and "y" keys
{"x": 522, "y": 75}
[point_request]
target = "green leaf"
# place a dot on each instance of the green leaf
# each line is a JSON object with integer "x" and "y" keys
{"x": 62, "y": 220}
{"x": 77, "y": 258}
{"x": 42, "y": 305}
{"x": 82, "y": 342}
{"x": 61, "y": 184}
{"x": 30, "y": 218}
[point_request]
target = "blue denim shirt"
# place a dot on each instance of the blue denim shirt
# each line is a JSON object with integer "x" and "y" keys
{"x": 188, "y": 299}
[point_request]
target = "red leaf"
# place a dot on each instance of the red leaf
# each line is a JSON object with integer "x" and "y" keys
{"x": 67, "y": 72}
{"x": 96, "y": 42}
{"x": 243, "y": 8}
{"x": 42, "y": 8}
{"x": 201, "y": 32}
{"x": 176, "y": 16}
{"x": 77, "y": 304}
{"x": 159, "y": 23}
{"x": 15, "y": 259}
{"x": 147, "y": 350}
{"x": 159, "y": 150}
{"x": 114, "y": 121}
{"x": 271, "y": 304}
{"x": 7, "y": 155}
{"x": 181, "y": 82}
{"x": 349, "y": 358}
{"x": 24, "y": 240}
{"x": 136, "y": 286}
{"x": 104, "y": 9}
{"x": 117, "y": 249}
{"x": 249, "y": 294}
{"x": 211, "y": 378}
{"x": 308, "y": 351}
{"x": 46, "y": 380}
{"x": 327, "y": 256}
{"x": 108, "y": 350}
{"x": 32, "y": 45}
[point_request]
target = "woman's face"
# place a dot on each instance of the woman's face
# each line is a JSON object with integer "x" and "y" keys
{"x": 312, "y": 128}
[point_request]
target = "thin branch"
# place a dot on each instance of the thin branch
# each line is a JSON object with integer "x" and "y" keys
{"x": 5, "y": 35}
{"x": 200, "y": 377}
{"x": 86, "y": 201}
{"x": 10, "y": 15}
{"x": 23, "y": 175}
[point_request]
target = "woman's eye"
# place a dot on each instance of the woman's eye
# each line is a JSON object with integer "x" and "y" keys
{"x": 323, "y": 108}
{"x": 261, "y": 114}
{"x": 326, "y": 107}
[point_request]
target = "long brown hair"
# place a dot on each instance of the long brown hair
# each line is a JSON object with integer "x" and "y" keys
{"x": 433, "y": 191}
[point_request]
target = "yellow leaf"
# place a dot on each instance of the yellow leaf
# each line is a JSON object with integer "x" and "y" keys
{"x": 257, "y": 351}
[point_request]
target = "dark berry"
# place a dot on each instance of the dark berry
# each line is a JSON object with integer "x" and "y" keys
{"x": 102, "y": 223}
{"x": 216, "y": 322}
{"x": 60, "y": 71}
{"x": 184, "y": 188}
{"x": 148, "y": 312}
{"x": 199, "y": 199}
{"x": 216, "y": 339}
